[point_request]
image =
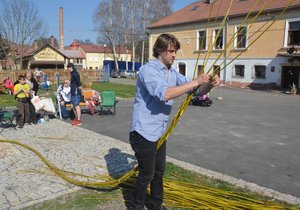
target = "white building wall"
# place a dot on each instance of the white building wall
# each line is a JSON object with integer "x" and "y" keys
{"x": 271, "y": 77}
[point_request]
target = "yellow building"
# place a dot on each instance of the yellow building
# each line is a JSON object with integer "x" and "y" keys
{"x": 84, "y": 56}
{"x": 230, "y": 44}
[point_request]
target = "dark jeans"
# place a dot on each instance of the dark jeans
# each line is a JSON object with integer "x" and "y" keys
{"x": 152, "y": 164}
{"x": 32, "y": 117}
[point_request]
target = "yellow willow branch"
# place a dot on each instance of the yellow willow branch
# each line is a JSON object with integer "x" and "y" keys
{"x": 272, "y": 23}
{"x": 202, "y": 41}
{"x": 233, "y": 37}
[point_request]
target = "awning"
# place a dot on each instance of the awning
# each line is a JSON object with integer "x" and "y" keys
{"x": 48, "y": 62}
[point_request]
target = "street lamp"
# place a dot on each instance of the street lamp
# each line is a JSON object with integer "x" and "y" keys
{"x": 104, "y": 51}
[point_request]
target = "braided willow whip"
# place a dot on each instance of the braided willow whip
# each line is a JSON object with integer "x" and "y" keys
{"x": 177, "y": 194}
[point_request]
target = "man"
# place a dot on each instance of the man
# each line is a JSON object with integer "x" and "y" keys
{"x": 75, "y": 93}
{"x": 157, "y": 84}
{"x": 64, "y": 98}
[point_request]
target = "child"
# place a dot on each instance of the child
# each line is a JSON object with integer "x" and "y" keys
{"x": 22, "y": 93}
{"x": 8, "y": 85}
{"x": 93, "y": 101}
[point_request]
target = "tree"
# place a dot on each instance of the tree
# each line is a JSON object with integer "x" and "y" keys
{"x": 4, "y": 51}
{"x": 107, "y": 21}
{"x": 125, "y": 21}
{"x": 20, "y": 24}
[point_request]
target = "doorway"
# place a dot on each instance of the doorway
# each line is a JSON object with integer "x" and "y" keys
{"x": 290, "y": 75}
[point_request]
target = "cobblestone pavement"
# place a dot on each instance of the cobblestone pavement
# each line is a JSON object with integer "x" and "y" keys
{"x": 25, "y": 180}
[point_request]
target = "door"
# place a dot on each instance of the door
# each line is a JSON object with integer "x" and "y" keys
{"x": 290, "y": 75}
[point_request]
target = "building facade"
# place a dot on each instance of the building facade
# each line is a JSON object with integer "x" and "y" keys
{"x": 256, "y": 45}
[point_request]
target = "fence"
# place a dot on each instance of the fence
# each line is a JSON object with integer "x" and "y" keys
{"x": 87, "y": 76}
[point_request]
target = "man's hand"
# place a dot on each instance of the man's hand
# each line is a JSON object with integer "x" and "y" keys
{"x": 215, "y": 81}
{"x": 203, "y": 79}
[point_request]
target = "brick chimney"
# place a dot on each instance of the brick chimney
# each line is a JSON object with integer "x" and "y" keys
{"x": 36, "y": 46}
{"x": 61, "y": 28}
{"x": 52, "y": 41}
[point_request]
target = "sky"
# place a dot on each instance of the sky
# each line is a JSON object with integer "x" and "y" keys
{"x": 78, "y": 17}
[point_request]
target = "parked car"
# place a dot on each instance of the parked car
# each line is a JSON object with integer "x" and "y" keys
{"x": 115, "y": 73}
{"x": 127, "y": 74}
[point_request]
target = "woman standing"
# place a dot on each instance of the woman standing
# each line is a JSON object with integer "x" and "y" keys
{"x": 33, "y": 87}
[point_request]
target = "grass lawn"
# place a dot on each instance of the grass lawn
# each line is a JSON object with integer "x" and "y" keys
{"x": 122, "y": 91}
{"x": 114, "y": 199}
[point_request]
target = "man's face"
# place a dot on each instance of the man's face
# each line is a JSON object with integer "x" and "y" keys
{"x": 168, "y": 57}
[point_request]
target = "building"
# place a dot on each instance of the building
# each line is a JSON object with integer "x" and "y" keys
{"x": 272, "y": 60}
{"x": 83, "y": 56}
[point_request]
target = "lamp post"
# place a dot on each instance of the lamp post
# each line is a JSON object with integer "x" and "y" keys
{"x": 104, "y": 66}
{"x": 104, "y": 52}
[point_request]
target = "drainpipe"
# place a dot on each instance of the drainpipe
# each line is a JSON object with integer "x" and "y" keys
{"x": 225, "y": 51}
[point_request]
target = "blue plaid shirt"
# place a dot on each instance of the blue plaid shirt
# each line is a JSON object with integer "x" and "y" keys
{"x": 151, "y": 113}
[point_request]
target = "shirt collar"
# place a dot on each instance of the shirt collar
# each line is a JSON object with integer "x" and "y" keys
{"x": 162, "y": 66}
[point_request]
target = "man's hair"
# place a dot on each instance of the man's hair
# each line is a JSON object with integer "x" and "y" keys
{"x": 162, "y": 43}
{"x": 21, "y": 77}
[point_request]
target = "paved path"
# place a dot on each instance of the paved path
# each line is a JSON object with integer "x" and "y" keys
{"x": 25, "y": 180}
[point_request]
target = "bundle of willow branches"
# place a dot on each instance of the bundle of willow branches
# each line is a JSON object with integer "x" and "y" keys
{"x": 182, "y": 194}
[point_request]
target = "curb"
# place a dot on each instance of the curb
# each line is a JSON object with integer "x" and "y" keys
{"x": 237, "y": 182}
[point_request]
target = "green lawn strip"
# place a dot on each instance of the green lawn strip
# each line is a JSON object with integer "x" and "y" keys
{"x": 122, "y": 90}
{"x": 94, "y": 199}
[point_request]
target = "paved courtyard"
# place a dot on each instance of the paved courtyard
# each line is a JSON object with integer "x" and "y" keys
{"x": 25, "y": 180}
{"x": 249, "y": 138}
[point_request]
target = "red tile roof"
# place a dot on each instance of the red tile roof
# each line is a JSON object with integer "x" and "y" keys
{"x": 199, "y": 11}
{"x": 88, "y": 48}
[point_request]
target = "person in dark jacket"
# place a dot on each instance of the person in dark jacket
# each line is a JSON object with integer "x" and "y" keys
{"x": 75, "y": 93}
{"x": 34, "y": 86}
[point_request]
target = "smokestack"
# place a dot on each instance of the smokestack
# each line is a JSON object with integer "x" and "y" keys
{"x": 61, "y": 28}
{"x": 52, "y": 41}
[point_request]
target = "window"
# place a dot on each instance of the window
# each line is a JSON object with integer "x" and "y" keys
{"x": 239, "y": 70}
{"x": 200, "y": 67}
{"x": 241, "y": 37}
{"x": 201, "y": 40}
{"x": 294, "y": 33}
{"x": 218, "y": 37}
{"x": 260, "y": 71}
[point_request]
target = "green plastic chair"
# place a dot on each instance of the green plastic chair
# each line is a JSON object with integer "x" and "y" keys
{"x": 6, "y": 119}
{"x": 108, "y": 101}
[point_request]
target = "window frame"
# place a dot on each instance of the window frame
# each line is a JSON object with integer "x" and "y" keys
{"x": 236, "y": 37}
{"x": 254, "y": 72}
{"x": 214, "y": 38}
{"x": 199, "y": 41}
{"x": 235, "y": 75}
{"x": 286, "y": 33}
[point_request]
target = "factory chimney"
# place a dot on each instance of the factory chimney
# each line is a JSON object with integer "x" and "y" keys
{"x": 61, "y": 28}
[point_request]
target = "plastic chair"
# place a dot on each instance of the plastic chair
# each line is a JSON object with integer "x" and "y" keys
{"x": 6, "y": 119}
{"x": 108, "y": 101}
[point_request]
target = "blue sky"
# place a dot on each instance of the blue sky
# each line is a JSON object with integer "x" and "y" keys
{"x": 78, "y": 17}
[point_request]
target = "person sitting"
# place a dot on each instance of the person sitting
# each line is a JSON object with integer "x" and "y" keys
{"x": 64, "y": 97}
{"x": 8, "y": 85}
{"x": 93, "y": 101}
